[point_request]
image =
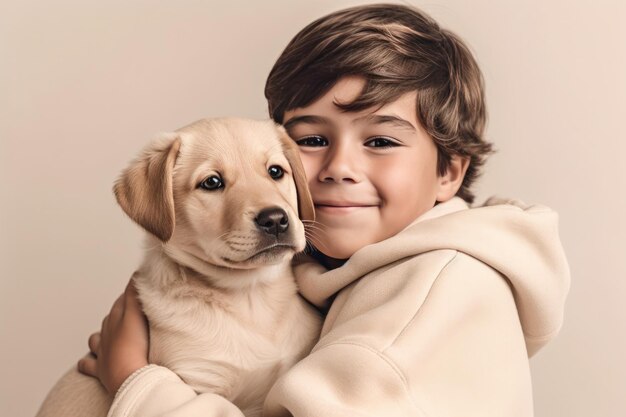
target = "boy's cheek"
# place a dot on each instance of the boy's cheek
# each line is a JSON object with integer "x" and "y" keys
{"x": 311, "y": 168}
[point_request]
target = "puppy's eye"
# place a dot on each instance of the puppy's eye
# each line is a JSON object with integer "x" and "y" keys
{"x": 276, "y": 172}
{"x": 212, "y": 183}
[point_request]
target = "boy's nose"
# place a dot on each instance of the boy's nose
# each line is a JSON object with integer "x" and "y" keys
{"x": 340, "y": 165}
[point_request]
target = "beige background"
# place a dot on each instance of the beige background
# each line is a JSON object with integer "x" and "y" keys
{"x": 84, "y": 84}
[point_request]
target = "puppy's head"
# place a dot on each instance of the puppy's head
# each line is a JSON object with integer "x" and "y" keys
{"x": 229, "y": 191}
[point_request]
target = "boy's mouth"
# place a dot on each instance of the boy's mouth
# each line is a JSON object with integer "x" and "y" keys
{"x": 331, "y": 203}
{"x": 339, "y": 207}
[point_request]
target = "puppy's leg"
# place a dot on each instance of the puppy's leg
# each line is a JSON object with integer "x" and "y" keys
{"x": 76, "y": 394}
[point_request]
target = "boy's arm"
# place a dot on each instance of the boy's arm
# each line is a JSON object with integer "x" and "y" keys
{"x": 364, "y": 385}
{"x": 325, "y": 383}
{"x": 156, "y": 391}
{"x": 461, "y": 353}
{"x": 343, "y": 380}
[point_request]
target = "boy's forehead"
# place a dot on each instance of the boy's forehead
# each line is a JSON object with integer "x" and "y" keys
{"x": 400, "y": 113}
{"x": 348, "y": 88}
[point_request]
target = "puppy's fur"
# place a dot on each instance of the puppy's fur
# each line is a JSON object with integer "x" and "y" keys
{"x": 216, "y": 282}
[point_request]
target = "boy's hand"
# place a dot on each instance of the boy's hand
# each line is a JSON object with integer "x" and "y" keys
{"x": 121, "y": 346}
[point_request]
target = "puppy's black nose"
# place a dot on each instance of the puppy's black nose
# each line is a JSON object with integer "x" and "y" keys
{"x": 272, "y": 220}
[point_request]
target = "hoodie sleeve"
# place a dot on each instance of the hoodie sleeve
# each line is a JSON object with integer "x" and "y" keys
{"x": 156, "y": 391}
{"x": 461, "y": 353}
{"x": 342, "y": 380}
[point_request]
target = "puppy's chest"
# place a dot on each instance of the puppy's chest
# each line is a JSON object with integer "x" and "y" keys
{"x": 213, "y": 350}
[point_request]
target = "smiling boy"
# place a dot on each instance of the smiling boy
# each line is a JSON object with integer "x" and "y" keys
{"x": 433, "y": 306}
{"x": 364, "y": 181}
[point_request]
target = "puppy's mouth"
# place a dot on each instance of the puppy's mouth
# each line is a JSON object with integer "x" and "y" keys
{"x": 275, "y": 249}
{"x": 267, "y": 254}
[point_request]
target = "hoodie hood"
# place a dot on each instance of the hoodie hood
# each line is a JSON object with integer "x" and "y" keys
{"x": 520, "y": 241}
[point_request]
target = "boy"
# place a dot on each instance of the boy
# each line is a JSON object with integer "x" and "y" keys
{"x": 433, "y": 308}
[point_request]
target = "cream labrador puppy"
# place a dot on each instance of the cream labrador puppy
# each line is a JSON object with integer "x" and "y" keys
{"x": 222, "y": 201}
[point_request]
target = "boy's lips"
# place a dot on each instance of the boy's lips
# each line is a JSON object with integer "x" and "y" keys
{"x": 338, "y": 207}
{"x": 342, "y": 203}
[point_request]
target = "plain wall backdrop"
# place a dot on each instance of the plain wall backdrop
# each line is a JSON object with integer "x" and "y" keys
{"x": 85, "y": 84}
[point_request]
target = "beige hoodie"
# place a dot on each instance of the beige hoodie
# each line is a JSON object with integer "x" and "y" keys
{"x": 438, "y": 320}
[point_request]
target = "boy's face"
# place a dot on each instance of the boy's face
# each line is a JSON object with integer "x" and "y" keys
{"x": 371, "y": 173}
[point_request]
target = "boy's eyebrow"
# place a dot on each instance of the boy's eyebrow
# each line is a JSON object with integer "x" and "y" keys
{"x": 380, "y": 119}
{"x": 372, "y": 118}
{"x": 308, "y": 119}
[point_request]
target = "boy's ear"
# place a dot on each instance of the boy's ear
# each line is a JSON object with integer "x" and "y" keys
{"x": 306, "y": 209}
{"x": 451, "y": 181}
{"x": 145, "y": 190}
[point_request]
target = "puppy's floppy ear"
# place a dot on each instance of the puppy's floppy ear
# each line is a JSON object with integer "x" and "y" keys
{"x": 306, "y": 209}
{"x": 145, "y": 191}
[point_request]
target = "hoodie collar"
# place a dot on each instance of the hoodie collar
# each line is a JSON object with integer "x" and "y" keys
{"x": 318, "y": 283}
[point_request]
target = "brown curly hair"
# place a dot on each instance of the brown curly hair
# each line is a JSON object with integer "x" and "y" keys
{"x": 397, "y": 49}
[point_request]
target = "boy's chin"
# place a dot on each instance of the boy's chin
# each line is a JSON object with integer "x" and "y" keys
{"x": 338, "y": 253}
{"x": 335, "y": 245}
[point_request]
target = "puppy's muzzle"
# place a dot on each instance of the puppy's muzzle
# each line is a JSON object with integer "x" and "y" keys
{"x": 273, "y": 221}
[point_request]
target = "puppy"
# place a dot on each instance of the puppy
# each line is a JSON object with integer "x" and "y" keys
{"x": 222, "y": 201}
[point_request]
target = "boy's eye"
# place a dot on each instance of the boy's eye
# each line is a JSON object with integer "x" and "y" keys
{"x": 312, "y": 140}
{"x": 380, "y": 143}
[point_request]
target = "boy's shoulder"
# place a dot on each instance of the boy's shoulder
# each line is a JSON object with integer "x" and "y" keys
{"x": 493, "y": 212}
